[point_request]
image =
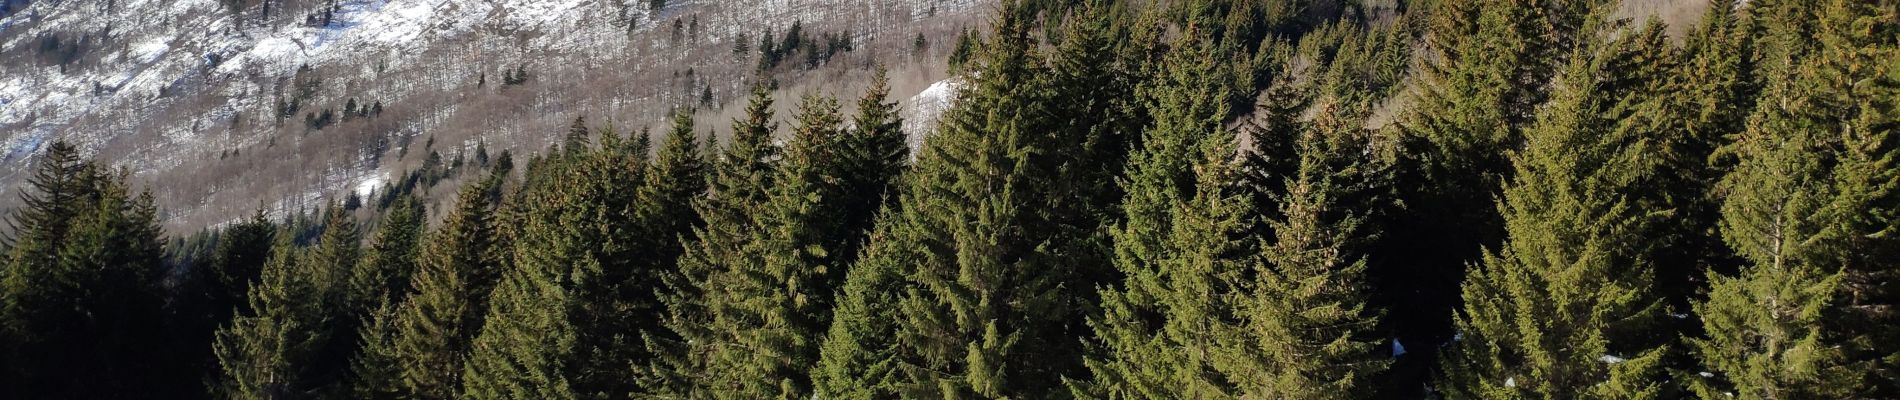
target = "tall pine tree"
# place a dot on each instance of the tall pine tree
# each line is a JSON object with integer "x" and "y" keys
{"x": 1486, "y": 69}
{"x": 1811, "y": 205}
{"x": 1307, "y": 328}
{"x": 1566, "y": 308}
{"x": 269, "y": 352}
{"x": 736, "y": 187}
{"x": 1181, "y": 243}
{"x": 416, "y": 349}
{"x": 977, "y": 264}
{"x": 79, "y": 294}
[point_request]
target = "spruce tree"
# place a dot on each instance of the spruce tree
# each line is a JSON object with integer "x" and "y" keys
{"x": 332, "y": 260}
{"x": 60, "y": 186}
{"x": 212, "y": 292}
{"x": 1810, "y": 205}
{"x": 1182, "y": 239}
{"x": 567, "y": 319}
{"x": 527, "y": 345}
{"x": 1566, "y": 308}
{"x": 872, "y": 158}
{"x": 383, "y": 275}
{"x": 80, "y": 297}
{"x": 662, "y": 217}
{"x": 1485, "y": 72}
{"x": 1307, "y": 328}
{"x": 771, "y": 310}
{"x": 416, "y": 349}
{"x": 736, "y": 187}
{"x": 267, "y": 353}
{"x": 973, "y": 273}
{"x": 1765, "y": 336}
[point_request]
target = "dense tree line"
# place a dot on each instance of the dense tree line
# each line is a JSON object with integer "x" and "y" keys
{"x": 1197, "y": 199}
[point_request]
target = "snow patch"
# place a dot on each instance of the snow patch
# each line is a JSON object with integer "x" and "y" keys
{"x": 151, "y": 51}
{"x": 1610, "y": 359}
{"x": 369, "y": 186}
{"x": 926, "y": 108}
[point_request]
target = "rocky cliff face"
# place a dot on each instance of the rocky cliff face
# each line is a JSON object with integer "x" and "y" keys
{"x": 225, "y": 106}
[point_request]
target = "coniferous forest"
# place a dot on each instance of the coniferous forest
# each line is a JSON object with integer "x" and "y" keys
{"x": 1194, "y": 199}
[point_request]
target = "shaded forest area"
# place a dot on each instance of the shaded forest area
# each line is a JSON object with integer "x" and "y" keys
{"x": 1455, "y": 199}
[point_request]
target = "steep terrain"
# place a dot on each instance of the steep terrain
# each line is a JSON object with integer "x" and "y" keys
{"x": 226, "y": 106}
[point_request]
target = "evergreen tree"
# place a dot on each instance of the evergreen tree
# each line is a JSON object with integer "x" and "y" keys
{"x": 1307, "y": 329}
{"x": 331, "y": 261}
{"x": 416, "y": 350}
{"x": 1486, "y": 69}
{"x": 736, "y": 189}
{"x": 1182, "y": 240}
{"x": 383, "y": 275}
{"x": 968, "y": 290}
{"x": 267, "y": 352}
{"x": 1810, "y": 205}
{"x": 771, "y": 310}
{"x": 526, "y": 345}
{"x": 871, "y": 157}
{"x": 567, "y": 318}
{"x": 1764, "y": 326}
{"x": 1566, "y": 308}
{"x": 79, "y": 295}
{"x": 211, "y": 293}
{"x": 576, "y": 140}
{"x": 662, "y": 216}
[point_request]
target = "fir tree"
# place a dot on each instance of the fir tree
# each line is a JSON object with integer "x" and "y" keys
{"x": 267, "y": 352}
{"x": 212, "y": 293}
{"x": 526, "y": 347}
{"x": 330, "y": 263}
{"x": 416, "y": 349}
{"x": 772, "y": 309}
{"x": 1308, "y": 330}
{"x": 79, "y": 295}
{"x": 1764, "y": 326}
{"x": 736, "y": 188}
{"x": 1486, "y": 72}
{"x": 1180, "y": 242}
{"x": 660, "y": 214}
{"x": 1566, "y": 308}
{"x": 872, "y": 157}
{"x": 978, "y": 270}
{"x": 383, "y": 275}
{"x": 1810, "y": 205}
{"x": 60, "y": 185}
{"x": 576, "y": 140}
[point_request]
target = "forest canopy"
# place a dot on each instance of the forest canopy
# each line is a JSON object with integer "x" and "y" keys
{"x": 1287, "y": 199}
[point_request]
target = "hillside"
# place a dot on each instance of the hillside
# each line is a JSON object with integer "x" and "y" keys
{"x": 219, "y": 106}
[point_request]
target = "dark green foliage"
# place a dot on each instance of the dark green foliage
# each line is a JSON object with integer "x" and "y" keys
{"x": 1567, "y": 307}
{"x": 1810, "y": 205}
{"x": 383, "y": 275}
{"x": 80, "y": 300}
{"x": 736, "y": 190}
{"x": 1197, "y": 199}
{"x": 871, "y": 158}
{"x": 270, "y": 351}
{"x": 978, "y": 270}
{"x": 1483, "y": 73}
{"x": 1182, "y": 240}
{"x": 415, "y": 348}
{"x": 209, "y": 292}
{"x": 591, "y": 248}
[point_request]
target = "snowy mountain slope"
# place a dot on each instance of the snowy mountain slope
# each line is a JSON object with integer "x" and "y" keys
{"x": 210, "y": 106}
